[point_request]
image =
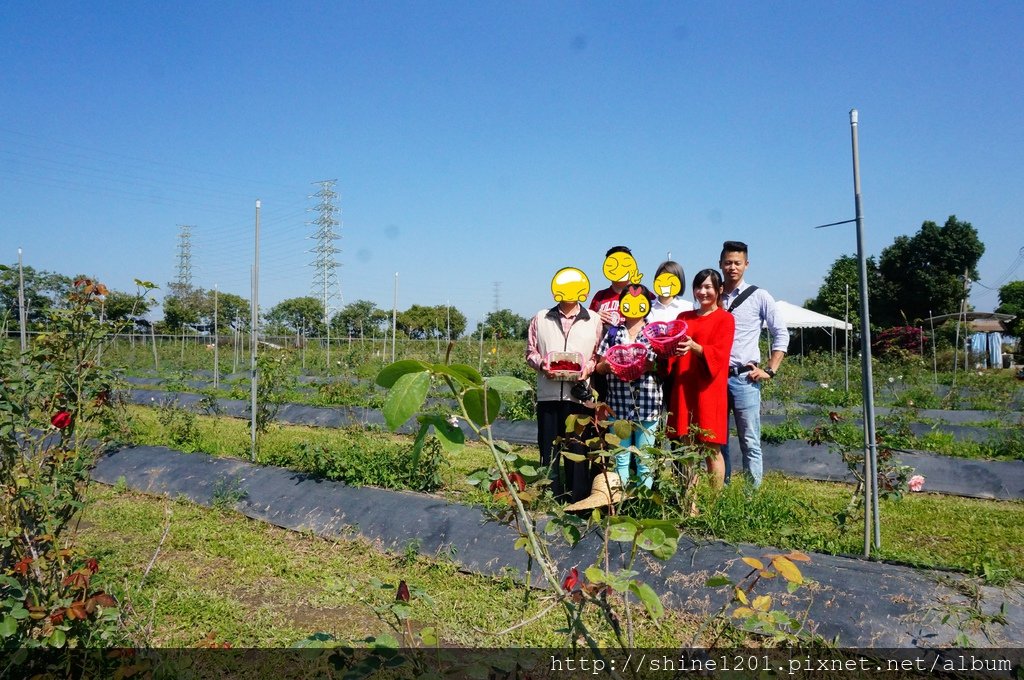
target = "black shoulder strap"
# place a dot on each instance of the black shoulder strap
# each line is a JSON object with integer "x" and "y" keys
{"x": 742, "y": 296}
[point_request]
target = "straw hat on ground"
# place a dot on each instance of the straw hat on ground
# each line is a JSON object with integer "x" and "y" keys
{"x": 605, "y": 490}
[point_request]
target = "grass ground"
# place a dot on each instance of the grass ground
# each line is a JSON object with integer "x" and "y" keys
{"x": 255, "y": 585}
{"x": 974, "y": 536}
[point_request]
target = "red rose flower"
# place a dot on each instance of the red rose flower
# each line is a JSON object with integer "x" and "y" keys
{"x": 572, "y": 580}
{"x": 403, "y": 592}
{"x": 61, "y": 420}
{"x": 516, "y": 478}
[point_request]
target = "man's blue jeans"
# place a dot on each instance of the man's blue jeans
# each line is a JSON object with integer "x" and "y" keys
{"x": 745, "y": 404}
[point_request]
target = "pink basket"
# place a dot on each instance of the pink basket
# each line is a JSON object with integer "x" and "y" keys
{"x": 567, "y": 375}
{"x": 665, "y": 335}
{"x": 628, "y": 362}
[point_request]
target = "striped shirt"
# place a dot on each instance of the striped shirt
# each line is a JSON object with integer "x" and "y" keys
{"x": 639, "y": 399}
{"x": 751, "y": 316}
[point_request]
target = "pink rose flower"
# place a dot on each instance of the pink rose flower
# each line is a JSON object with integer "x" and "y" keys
{"x": 916, "y": 483}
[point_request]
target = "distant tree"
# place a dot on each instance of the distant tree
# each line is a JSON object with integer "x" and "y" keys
{"x": 119, "y": 306}
{"x": 359, "y": 318}
{"x": 450, "y": 319}
{"x": 1011, "y": 301}
{"x": 924, "y": 273}
{"x": 231, "y": 310}
{"x": 301, "y": 313}
{"x": 421, "y": 322}
{"x": 831, "y": 298}
{"x": 43, "y": 290}
{"x": 182, "y": 310}
{"x": 506, "y": 323}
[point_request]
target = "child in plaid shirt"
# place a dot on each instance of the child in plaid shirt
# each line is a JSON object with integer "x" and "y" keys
{"x": 639, "y": 401}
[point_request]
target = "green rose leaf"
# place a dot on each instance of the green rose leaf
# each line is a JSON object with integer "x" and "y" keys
{"x": 649, "y": 598}
{"x": 622, "y": 530}
{"x": 651, "y": 539}
{"x": 8, "y": 627}
{"x": 57, "y": 638}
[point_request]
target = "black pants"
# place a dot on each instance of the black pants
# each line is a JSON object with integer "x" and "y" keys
{"x": 571, "y": 481}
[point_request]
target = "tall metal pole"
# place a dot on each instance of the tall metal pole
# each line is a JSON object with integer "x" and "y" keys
{"x": 22, "y": 312}
{"x": 846, "y": 337}
{"x": 216, "y": 342}
{"x": 867, "y": 388}
{"x": 255, "y": 314}
{"x": 394, "y": 319}
{"x": 935, "y": 359}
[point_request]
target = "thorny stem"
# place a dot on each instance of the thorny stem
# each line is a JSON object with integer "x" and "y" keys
{"x": 535, "y": 617}
{"x": 524, "y": 518}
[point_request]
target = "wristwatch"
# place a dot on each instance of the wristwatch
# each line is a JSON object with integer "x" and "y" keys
{"x": 769, "y": 371}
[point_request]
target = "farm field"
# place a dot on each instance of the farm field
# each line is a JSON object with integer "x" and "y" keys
{"x": 189, "y": 575}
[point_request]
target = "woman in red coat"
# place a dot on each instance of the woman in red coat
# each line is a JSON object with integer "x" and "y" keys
{"x": 699, "y": 369}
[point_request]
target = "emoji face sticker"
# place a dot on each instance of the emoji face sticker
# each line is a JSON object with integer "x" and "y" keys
{"x": 570, "y": 284}
{"x": 621, "y": 267}
{"x": 667, "y": 285}
{"x": 634, "y": 303}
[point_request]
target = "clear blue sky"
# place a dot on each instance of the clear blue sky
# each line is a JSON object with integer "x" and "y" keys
{"x": 483, "y": 142}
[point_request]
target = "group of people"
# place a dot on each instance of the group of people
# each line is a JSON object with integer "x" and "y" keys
{"x": 691, "y": 385}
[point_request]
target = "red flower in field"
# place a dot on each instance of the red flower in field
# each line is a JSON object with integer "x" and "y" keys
{"x": 61, "y": 420}
{"x": 21, "y": 566}
{"x": 403, "y": 592}
{"x": 572, "y": 580}
{"x": 514, "y": 477}
{"x": 92, "y": 565}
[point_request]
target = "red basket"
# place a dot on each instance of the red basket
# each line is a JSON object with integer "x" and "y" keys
{"x": 568, "y": 360}
{"x": 628, "y": 362}
{"x": 665, "y": 335}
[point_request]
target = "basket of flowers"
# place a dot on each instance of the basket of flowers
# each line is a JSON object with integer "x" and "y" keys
{"x": 665, "y": 335}
{"x": 566, "y": 366}
{"x": 628, "y": 362}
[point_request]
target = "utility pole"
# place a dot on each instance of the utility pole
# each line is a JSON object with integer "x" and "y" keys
{"x": 325, "y": 266}
{"x": 216, "y": 342}
{"x": 22, "y": 312}
{"x": 961, "y": 316}
{"x": 394, "y": 319}
{"x": 871, "y": 513}
{"x": 255, "y": 314}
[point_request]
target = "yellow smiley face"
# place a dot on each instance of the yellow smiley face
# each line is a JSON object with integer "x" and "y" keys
{"x": 667, "y": 284}
{"x": 570, "y": 284}
{"x": 634, "y": 303}
{"x": 621, "y": 267}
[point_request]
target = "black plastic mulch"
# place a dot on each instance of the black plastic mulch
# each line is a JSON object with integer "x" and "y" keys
{"x": 859, "y": 603}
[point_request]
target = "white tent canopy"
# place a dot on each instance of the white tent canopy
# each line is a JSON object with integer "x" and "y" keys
{"x": 794, "y": 316}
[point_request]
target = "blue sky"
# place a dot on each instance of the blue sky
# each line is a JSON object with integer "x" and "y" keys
{"x": 483, "y": 142}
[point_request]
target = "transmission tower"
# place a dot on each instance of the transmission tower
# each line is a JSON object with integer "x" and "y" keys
{"x": 183, "y": 283}
{"x": 497, "y": 296}
{"x": 325, "y": 276}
